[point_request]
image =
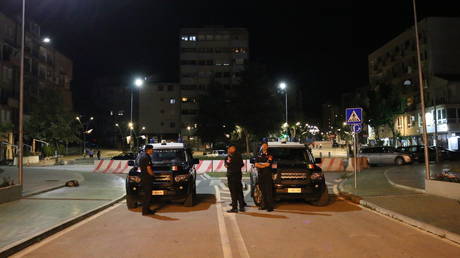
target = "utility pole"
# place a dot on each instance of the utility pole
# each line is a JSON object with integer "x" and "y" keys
{"x": 422, "y": 95}
{"x": 21, "y": 99}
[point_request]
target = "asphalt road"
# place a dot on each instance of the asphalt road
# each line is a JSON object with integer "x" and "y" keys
{"x": 295, "y": 229}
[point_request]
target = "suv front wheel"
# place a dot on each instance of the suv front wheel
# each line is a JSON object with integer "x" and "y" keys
{"x": 257, "y": 195}
{"x": 191, "y": 197}
{"x": 323, "y": 200}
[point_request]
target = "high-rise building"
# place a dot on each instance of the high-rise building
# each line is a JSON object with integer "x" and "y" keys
{"x": 208, "y": 55}
{"x": 159, "y": 110}
{"x": 395, "y": 64}
{"x": 44, "y": 68}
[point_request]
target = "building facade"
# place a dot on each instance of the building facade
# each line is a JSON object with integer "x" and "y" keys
{"x": 160, "y": 110}
{"x": 44, "y": 68}
{"x": 395, "y": 64}
{"x": 207, "y": 56}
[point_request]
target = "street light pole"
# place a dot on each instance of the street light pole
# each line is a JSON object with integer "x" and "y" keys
{"x": 422, "y": 95}
{"x": 283, "y": 87}
{"x": 21, "y": 99}
{"x": 138, "y": 83}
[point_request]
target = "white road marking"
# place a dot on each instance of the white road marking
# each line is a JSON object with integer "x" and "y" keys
{"x": 63, "y": 232}
{"x": 239, "y": 238}
{"x": 225, "y": 241}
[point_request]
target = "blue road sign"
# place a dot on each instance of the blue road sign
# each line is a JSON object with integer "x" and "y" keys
{"x": 357, "y": 128}
{"x": 354, "y": 116}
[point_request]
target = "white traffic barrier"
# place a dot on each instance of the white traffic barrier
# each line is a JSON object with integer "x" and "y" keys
{"x": 332, "y": 164}
{"x": 206, "y": 166}
{"x": 121, "y": 166}
{"x": 111, "y": 166}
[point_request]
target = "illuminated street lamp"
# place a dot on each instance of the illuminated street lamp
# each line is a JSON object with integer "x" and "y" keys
{"x": 46, "y": 40}
{"x": 138, "y": 82}
{"x": 283, "y": 87}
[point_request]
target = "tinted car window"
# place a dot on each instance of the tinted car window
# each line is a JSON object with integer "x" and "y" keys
{"x": 168, "y": 155}
{"x": 294, "y": 154}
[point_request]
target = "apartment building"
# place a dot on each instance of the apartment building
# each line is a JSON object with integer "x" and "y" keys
{"x": 208, "y": 55}
{"x": 44, "y": 68}
{"x": 395, "y": 64}
{"x": 160, "y": 110}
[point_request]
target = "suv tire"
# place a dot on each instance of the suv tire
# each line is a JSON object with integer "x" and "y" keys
{"x": 131, "y": 201}
{"x": 323, "y": 199}
{"x": 399, "y": 161}
{"x": 257, "y": 196}
{"x": 191, "y": 197}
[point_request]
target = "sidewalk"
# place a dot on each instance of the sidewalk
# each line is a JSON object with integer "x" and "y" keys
{"x": 31, "y": 218}
{"x": 431, "y": 213}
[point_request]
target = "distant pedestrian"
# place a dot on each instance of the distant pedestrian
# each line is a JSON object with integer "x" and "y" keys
{"x": 98, "y": 154}
{"x": 234, "y": 163}
{"x": 91, "y": 153}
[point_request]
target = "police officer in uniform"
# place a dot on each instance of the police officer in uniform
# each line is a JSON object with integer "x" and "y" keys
{"x": 145, "y": 164}
{"x": 264, "y": 165}
{"x": 234, "y": 163}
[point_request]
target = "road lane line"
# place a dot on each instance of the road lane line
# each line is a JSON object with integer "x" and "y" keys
{"x": 243, "y": 250}
{"x": 224, "y": 240}
{"x": 34, "y": 247}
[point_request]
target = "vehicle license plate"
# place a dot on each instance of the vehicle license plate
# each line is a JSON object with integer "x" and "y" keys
{"x": 159, "y": 192}
{"x": 294, "y": 190}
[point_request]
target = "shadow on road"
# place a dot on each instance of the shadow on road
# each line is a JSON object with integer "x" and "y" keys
{"x": 263, "y": 215}
{"x": 300, "y": 207}
{"x": 203, "y": 202}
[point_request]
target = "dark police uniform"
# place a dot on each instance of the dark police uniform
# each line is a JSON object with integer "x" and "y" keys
{"x": 147, "y": 181}
{"x": 266, "y": 179}
{"x": 234, "y": 163}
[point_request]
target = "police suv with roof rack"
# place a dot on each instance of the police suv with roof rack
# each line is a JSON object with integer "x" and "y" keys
{"x": 174, "y": 178}
{"x": 295, "y": 175}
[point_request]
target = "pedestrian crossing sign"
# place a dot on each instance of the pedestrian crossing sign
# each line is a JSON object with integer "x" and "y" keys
{"x": 354, "y": 116}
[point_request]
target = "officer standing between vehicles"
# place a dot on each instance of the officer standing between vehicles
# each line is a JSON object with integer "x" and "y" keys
{"x": 234, "y": 163}
{"x": 264, "y": 165}
{"x": 145, "y": 163}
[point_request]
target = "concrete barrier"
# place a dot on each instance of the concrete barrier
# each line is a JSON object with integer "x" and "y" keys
{"x": 121, "y": 166}
{"x": 27, "y": 160}
{"x": 111, "y": 166}
{"x": 332, "y": 164}
{"x": 362, "y": 163}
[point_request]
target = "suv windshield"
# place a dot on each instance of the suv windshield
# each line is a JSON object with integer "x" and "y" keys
{"x": 291, "y": 154}
{"x": 168, "y": 155}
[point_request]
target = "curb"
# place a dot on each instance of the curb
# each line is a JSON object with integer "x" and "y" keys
{"x": 22, "y": 244}
{"x": 399, "y": 217}
{"x": 405, "y": 187}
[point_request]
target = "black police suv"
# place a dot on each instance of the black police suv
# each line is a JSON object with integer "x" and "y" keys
{"x": 174, "y": 179}
{"x": 295, "y": 175}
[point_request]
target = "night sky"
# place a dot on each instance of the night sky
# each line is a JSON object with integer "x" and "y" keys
{"x": 321, "y": 46}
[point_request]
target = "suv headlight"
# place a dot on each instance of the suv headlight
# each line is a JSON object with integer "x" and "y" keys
{"x": 317, "y": 176}
{"x": 180, "y": 178}
{"x": 136, "y": 179}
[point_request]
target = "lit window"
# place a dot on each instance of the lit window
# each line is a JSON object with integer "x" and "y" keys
{"x": 192, "y": 38}
{"x": 184, "y": 38}
{"x": 184, "y": 100}
{"x": 172, "y": 101}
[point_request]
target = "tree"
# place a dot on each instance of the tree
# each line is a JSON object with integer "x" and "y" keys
{"x": 258, "y": 110}
{"x": 386, "y": 102}
{"x": 49, "y": 121}
{"x": 215, "y": 118}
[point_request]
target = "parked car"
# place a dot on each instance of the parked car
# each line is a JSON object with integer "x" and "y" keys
{"x": 418, "y": 153}
{"x": 125, "y": 156}
{"x": 174, "y": 179}
{"x": 218, "y": 153}
{"x": 385, "y": 156}
{"x": 295, "y": 175}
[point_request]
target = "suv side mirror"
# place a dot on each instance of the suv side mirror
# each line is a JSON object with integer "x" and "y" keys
{"x": 131, "y": 163}
{"x": 318, "y": 160}
{"x": 252, "y": 160}
{"x": 195, "y": 161}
